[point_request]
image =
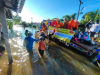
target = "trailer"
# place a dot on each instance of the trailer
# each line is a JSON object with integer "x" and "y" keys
{"x": 65, "y": 36}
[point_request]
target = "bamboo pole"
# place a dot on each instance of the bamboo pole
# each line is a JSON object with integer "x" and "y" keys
{"x": 5, "y": 31}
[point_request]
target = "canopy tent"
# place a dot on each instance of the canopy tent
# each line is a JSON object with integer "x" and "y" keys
{"x": 5, "y": 12}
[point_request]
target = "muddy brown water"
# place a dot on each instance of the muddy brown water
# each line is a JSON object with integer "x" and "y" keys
{"x": 57, "y": 60}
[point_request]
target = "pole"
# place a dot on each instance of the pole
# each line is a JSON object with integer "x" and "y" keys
{"x": 5, "y": 31}
{"x": 79, "y": 8}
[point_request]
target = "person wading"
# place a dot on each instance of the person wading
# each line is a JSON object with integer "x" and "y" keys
{"x": 41, "y": 46}
{"x": 28, "y": 42}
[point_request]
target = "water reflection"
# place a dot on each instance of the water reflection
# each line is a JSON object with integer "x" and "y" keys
{"x": 57, "y": 60}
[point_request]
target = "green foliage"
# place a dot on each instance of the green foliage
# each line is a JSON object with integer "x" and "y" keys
{"x": 68, "y": 17}
{"x": 34, "y": 26}
{"x": 62, "y": 20}
{"x": 9, "y": 23}
{"x": 16, "y": 19}
{"x": 93, "y": 15}
{"x": 24, "y": 23}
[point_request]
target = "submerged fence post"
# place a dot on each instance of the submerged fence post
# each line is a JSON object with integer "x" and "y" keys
{"x": 5, "y": 31}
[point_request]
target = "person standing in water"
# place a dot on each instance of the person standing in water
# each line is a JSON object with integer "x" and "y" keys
{"x": 26, "y": 33}
{"x": 41, "y": 46}
{"x": 28, "y": 43}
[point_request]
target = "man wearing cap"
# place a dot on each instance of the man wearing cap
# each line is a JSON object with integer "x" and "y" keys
{"x": 28, "y": 42}
{"x": 94, "y": 30}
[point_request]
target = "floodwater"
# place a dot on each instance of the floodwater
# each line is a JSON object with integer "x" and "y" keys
{"x": 57, "y": 60}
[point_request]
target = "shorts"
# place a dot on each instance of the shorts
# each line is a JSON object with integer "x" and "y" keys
{"x": 92, "y": 34}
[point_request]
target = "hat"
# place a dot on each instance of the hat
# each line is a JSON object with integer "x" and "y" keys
{"x": 30, "y": 34}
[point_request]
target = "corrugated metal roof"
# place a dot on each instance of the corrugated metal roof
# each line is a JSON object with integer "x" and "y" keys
{"x": 15, "y": 5}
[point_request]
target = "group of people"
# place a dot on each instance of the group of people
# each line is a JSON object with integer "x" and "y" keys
{"x": 58, "y": 24}
{"x": 28, "y": 42}
{"x": 88, "y": 35}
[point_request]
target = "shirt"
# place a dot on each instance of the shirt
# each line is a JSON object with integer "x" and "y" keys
{"x": 26, "y": 34}
{"x": 97, "y": 50}
{"x": 88, "y": 38}
{"x": 98, "y": 57}
{"x": 95, "y": 28}
{"x": 29, "y": 42}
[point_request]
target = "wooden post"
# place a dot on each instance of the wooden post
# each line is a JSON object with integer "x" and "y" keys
{"x": 79, "y": 9}
{"x": 5, "y": 31}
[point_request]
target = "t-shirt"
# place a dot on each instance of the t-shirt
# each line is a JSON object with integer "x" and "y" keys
{"x": 29, "y": 42}
{"x": 95, "y": 28}
{"x": 85, "y": 37}
{"x": 98, "y": 57}
{"x": 26, "y": 34}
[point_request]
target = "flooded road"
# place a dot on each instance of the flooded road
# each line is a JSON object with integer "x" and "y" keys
{"x": 57, "y": 59}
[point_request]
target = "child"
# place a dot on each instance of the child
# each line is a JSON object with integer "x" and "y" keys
{"x": 41, "y": 46}
{"x": 81, "y": 37}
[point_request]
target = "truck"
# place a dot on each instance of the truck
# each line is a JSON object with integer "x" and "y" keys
{"x": 65, "y": 36}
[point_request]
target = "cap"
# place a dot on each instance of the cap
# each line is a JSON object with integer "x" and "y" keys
{"x": 30, "y": 34}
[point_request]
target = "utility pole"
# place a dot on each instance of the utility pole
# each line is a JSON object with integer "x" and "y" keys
{"x": 79, "y": 9}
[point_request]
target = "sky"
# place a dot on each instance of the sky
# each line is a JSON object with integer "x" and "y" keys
{"x": 37, "y": 10}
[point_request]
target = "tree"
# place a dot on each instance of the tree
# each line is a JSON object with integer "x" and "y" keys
{"x": 62, "y": 20}
{"x": 16, "y": 19}
{"x": 10, "y": 23}
{"x": 68, "y": 17}
{"x": 24, "y": 23}
{"x": 93, "y": 15}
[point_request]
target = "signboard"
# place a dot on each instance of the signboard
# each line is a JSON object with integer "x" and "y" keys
{"x": 62, "y": 34}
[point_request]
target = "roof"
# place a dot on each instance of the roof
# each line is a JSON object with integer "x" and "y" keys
{"x": 15, "y": 5}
